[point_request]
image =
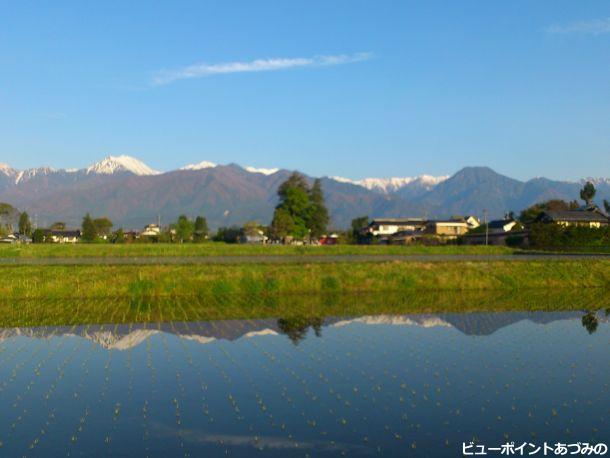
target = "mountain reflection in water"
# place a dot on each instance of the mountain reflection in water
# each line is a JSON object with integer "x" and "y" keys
{"x": 127, "y": 336}
{"x": 296, "y": 386}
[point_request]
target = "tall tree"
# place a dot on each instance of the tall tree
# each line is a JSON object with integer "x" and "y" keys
{"x": 201, "y": 229}
{"x": 7, "y": 216}
{"x": 294, "y": 210}
{"x": 39, "y": 235}
{"x": 357, "y": 225}
{"x": 102, "y": 226}
{"x": 119, "y": 236}
{"x": 25, "y": 225}
{"x": 587, "y": 193}
{"x": 282, "y": 224}
{"x": 89, "y": 232}
{"x": 184, "y": 228}
{"x": 607, "y": 206}
{"x": 318, "y": 213}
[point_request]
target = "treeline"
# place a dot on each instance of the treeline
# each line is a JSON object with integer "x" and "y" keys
{"x": 557, "y": 236}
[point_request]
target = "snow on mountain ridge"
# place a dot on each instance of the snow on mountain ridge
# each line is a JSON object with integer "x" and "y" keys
{"x": 388, "y": 185}
{"x": 261, "y": 170}
{"x": 7, "y": 170}
{"x": 596, "y": 181}
{"x": 30, "y": 173}
{"x": 113, "y": 164}
{"x": 199, "y": 166}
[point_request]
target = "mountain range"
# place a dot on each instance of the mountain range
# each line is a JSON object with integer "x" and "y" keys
{"x": 132, "y": 194}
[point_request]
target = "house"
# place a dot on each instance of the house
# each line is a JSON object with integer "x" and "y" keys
{"x": 21, "y": 238}
{"x": 406, "y": 237}
{"x": 65, "y": 236}
{"x": 390, "y": 226}
{"x": 331, "y": 239}
{"x": 592, "y": 218}
{"x": 472, "y": 221}
{"x": 10, "y": 238}
{"x": 447, "y": 229}
{"x": 502, "y": 225}
{"x": 151, "y": 230}
{"x": 257, "y": 236}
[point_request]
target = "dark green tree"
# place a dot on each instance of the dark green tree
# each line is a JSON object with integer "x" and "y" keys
{"x": 294, "y": 199}
{"x": 318, "y": 213}
{"x": 89, "y": 232}
{"x": 301, "y": 211}
{"x": 607, "y": 206}
{"x": 357, "y": 225}
{"x": 118, "y": 236}
{"x": 282, "y": 225}
{"x": 39, "y": 236}
{"x": 184, "y": 229}
{"x": 8, "y": 213}
{"x": 531, "y": 214}
{"x": 587, "y": 193}
{"x": 102, "y": 226}
{"x": 201, "y": 229}
{"x": 590, "y": 322}
{"x": 25, "y": 225}
{"x": 228, "y": 234}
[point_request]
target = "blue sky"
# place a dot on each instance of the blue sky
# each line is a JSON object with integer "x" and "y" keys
{"x": 352, "y": 88}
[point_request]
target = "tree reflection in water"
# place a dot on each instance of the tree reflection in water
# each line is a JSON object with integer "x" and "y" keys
{"x": 590, "y": 322}
{"x": 296, "y": 328}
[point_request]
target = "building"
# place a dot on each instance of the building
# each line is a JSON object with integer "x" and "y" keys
{"x": 151, "y": 230}
{"x": 65, "y": 236}
{"x": 331, "y": 239}
{"x": 472, "y": 221}
{"x": 9, "y": 239}
{"x": 254, "y": 237}
{"x": 447, "y": 228}
{"x": 390, "y": 226}
{"x": 406, "y": 237}
{"x": 502, "y": 225}
{"x": 592, "y": 218}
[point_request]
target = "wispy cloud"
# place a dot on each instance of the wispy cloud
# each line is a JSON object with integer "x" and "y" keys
{"x": 259, "y": 65}
{"x": 593, "y": 27}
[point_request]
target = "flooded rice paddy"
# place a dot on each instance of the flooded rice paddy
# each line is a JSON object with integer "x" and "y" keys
{"x": 372, "y": 384}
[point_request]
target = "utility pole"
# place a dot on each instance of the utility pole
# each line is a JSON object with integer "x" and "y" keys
{"x": 486, "y": 227}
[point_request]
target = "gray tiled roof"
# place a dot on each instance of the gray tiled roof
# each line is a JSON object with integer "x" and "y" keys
{"x": 576, "y": 216}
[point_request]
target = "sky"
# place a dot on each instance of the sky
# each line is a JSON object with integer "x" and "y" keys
{"x": 340, "y": 88}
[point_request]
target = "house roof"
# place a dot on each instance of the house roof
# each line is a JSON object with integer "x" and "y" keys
{"x": 398, "y": 221}
{"x": 74, "y": 233}
{"x": 575, "y": 216}
{"x": 500, "y": 223}
{"x": 448, "y": 221}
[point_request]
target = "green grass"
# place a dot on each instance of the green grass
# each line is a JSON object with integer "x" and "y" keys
{"x": 167, "y": 281}
{"x": 222, "y": 249}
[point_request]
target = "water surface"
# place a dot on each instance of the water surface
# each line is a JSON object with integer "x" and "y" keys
{"x": 355, "y": 385}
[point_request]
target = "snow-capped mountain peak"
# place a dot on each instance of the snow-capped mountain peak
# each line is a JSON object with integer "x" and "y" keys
{"x": 114, "y": 164}
{"x": 31, "y": 173}
{"x": 388, "y": 185}
{"x": 596, "y": 181}
{"x": 7, "y": 170}
{"x": 261, "y": 170}
{"x": 199, "y": 166}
